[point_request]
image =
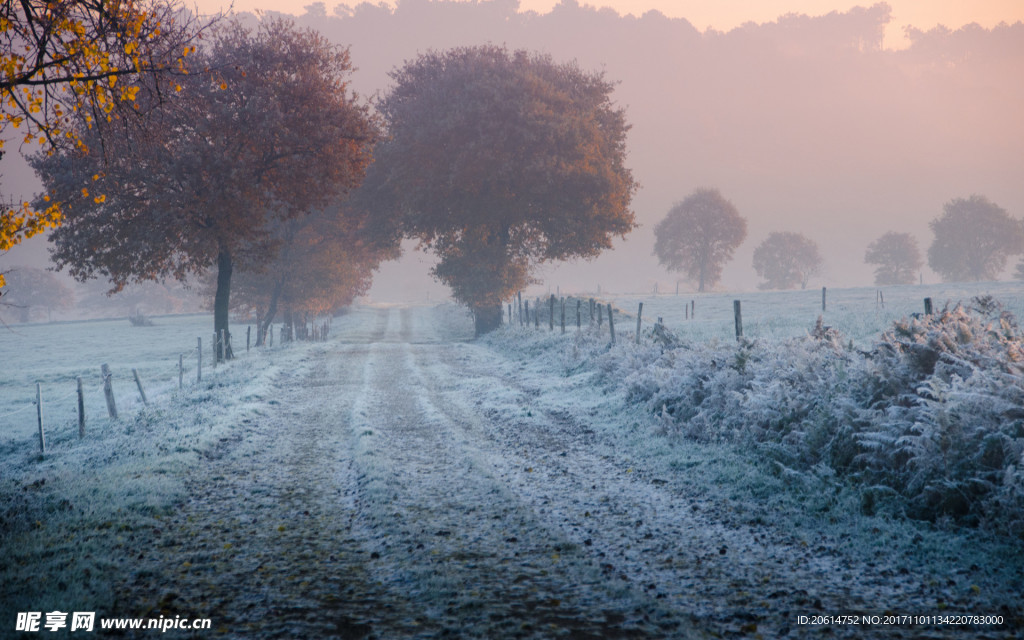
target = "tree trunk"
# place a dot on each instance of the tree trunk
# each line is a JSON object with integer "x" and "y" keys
{"x": 487, "y": 318}
{"x": 221, "y": 299}
{"x": 268, "y": 318}
{"x": 289, "y": 322}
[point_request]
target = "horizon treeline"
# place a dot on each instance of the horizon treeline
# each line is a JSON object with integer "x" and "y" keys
{"x": 809, "y": 124}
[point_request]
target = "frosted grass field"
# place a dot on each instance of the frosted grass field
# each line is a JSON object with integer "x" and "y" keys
{"x": 785, "y": 314}
{"x": 191, "y": 496}
{"x": 55, "y": 354}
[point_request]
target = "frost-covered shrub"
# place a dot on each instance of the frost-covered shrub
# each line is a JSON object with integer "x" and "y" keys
{"x": 787, "y": 397}
{"x": 930, "y": 420}
{"x": 947, "y": 408}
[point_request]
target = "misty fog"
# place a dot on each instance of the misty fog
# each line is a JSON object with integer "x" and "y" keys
{"x": 806, "y": 124}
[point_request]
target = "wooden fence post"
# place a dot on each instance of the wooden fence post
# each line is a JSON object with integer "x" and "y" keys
{"x": 927, "y": 306}
{"x": 579, "y": 313}
{"x": 39, "y": 416}
{"x": 611, "y": 323}
{"x": 199, "y": 360}
{"x": 525, "y": 320}
{"x": 693, "y": 309}
{"x": 138, "y": 383}
{"x": 551, "y": 313}
{"x": 639, "y": 313}
{"x": 215, "y": 341}
{"x": 108, "y": 391}
{"x": 563, "y": 315}
{"x": 739, "y": 319}
{"x": 823, "y": 298}
{"x": 81, "y": 409}
{"x": 248, "y": 330}
{"x": 600, "y": 315}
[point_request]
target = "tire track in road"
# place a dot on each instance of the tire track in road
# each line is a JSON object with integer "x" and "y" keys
{"x": 450, "y": 537}
{"x": 405, "y": 483}
{"x": 264, "y": 545}
{"x": 652, "y": 535}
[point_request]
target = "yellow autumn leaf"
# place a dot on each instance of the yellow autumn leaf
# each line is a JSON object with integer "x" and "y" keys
{"x": 100, "y": 199}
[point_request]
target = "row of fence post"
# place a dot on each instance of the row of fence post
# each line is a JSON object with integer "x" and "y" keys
{"x": 108, "y": 387}
{"x": 108, "y": 392}
{"x": 689, "y": 312}
{"x": 595, "y": 309}
{"x": 221, "y": 350}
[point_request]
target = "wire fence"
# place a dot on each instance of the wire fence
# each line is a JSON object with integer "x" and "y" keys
{"x": 858, "y": 314}
{"x": 71, "y": 393}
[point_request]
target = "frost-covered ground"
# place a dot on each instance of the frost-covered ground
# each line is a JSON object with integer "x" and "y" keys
{"x": 855, "y": 312}
{"x": 402, "y": 480}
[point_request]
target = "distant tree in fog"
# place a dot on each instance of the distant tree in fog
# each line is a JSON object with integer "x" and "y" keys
{"x": 324, "y": 260}
{"x": 787, "y": 259}
{"x": 271, "y": 133}
{"x": 149, "y": 298}
{"x": 32, "y": 292}
{"x": 897, "y": 257}
{"x": 974, "y": 238}
{"x": 499, "y": 160}
{"x": 699, "y": 235}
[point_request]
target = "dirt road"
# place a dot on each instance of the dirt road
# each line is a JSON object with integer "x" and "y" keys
{"x": 410, "y": 483}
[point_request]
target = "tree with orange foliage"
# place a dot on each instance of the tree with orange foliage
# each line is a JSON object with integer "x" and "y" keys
{"x": 325, "y": 260}
{"x": 272, "y": 133}
{"x": 64, "y": 62}
{"x": 498, "y": 161}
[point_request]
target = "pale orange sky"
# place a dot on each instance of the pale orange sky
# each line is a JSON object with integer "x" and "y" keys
{"x": 724, "y": 15}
